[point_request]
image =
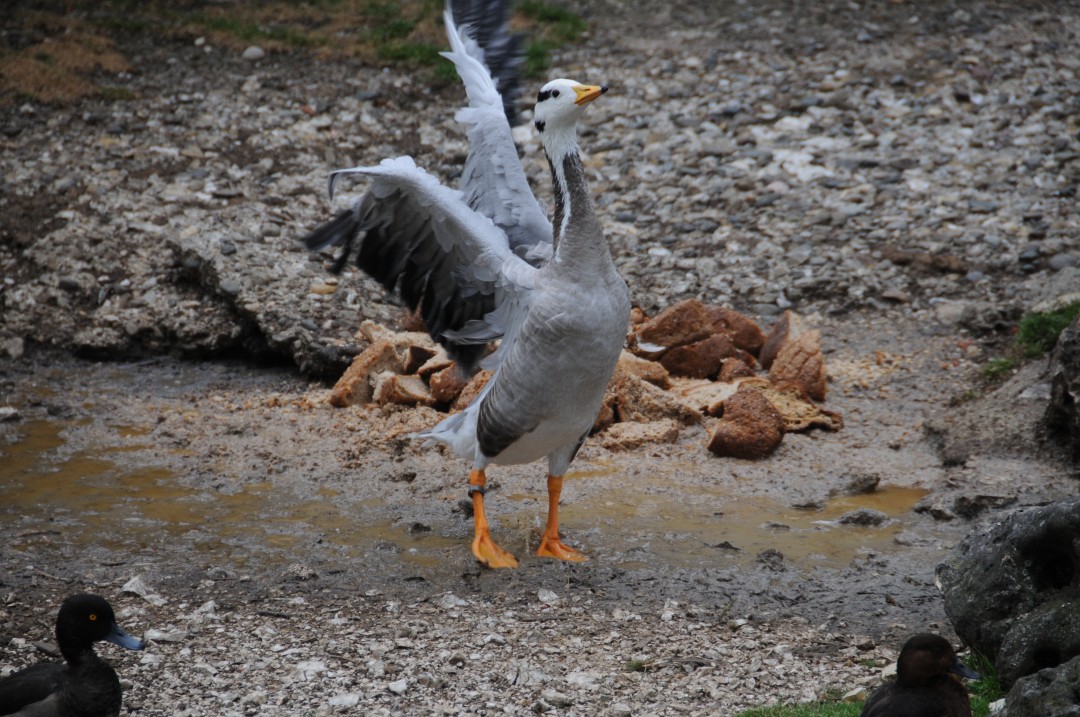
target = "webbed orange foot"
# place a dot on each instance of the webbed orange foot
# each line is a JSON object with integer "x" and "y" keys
{"x": 491, "y": 555}
{"x": 555, "y": 548}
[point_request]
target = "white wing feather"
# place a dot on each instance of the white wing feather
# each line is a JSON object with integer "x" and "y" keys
{"x": 493, "y": 181}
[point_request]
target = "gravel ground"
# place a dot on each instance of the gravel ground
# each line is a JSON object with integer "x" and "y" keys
{"x": 901, "y": 174}
{"x": 295, "y": 654}
{"x": 896, "y": 159}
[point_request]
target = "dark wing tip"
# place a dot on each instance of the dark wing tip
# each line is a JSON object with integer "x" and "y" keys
{"x": 342, "y": 229}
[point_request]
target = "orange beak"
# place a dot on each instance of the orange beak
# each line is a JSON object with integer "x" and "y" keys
{"x": 588, "y": 93}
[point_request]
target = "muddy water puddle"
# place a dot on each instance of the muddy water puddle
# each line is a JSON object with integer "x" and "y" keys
{"x": 694, "y": 526}
{"x": 84, "y": 497}
{"x": 52, "y": 491}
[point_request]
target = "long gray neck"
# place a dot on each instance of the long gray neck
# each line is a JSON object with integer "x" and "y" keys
{"x": 578, "y": 241}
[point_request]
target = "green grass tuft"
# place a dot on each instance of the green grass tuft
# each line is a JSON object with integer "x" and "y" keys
{"x": 637, "y": 665}
{"x": 416, "y": 53}
{"x": 252, "y": 32}
{"x": 536, "y": 57}
{"x": 807, "y": 709}
{"x": 988, "y": 689}
{"x": 1039, "y": 331}
{"x": 116, "y": 94}
{"x": 554, "y": 27}
{"x": 997, "y": 369}
{"x": 560, "y": 24}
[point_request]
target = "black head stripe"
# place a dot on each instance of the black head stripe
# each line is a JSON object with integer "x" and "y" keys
{"x": 543, "y": 95}
{"x": 540, "y": 124}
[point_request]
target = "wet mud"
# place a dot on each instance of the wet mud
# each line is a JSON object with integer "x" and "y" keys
{"x": 174, "y": 471}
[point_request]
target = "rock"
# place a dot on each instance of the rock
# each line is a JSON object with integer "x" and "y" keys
{"x": 801, "y": 361}
{"x": 254, "y": 53}
{"x": 355, "y": 385}
{"x": 1062, "y": 417}
{"x": 862, "y": 484}
{"x": 8, "y": 413}
{"x": 447, "y": 384}
{"x": 1047, "y": 693}
{"x": 789, "y": 327}
{"x": 398, "y": 687}
{"x": 450, "y": 601}
{"x": 416, "y": 357}
{"x": 970, "y": 506}
{"x": 796, "y": 409}
{"x": 1044, "y": 637}
{"x": 638, "y": 400}
{"x": 138, "y": 586}
{"x": 732, "y": 368}
{"x": 300, "y": 572}
{"x": 401, "y": 389}
{"x": 13, "y": 347}
{"x": 165, "y": 635}
{"x": 680, "y": 324}
{"x": 346, "y": 700}
{"x": 700, "y": 359}
{"x": 435, "y": 364}
{"x": 709, "y": 396}
{"x": 605, "y": 417}
{"x": 1016, "y": 584}
{"x": 751, "y": 427}
{"x": 863, "y": 517}
{"x": 856, "y": 694}
{"x": 471, "y": 391}
{"x": 650, "y": 371}
{"x": 1059, "y": 262}
{"x": 952, "y": 313}
{"x": 373, "y": 331}
{"x": 548, "y": 597}
{"x": 742, "y": 330}
{"x": 627, "y": 436}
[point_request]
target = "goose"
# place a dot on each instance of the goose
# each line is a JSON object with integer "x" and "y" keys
{"x": 83, "y": 685}
{"x": 924, "y": 685}
{"x": 483, "y": 262}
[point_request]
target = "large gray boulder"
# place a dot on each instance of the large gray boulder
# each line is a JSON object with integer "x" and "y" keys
{"x": 1047, "y": 693}
{"x": 1062, "y": 417}
{"x": 1012, "y": 590}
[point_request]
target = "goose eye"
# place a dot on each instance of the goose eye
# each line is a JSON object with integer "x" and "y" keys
{"x": 93, "y": 617}
{"x": 554, "y": 93}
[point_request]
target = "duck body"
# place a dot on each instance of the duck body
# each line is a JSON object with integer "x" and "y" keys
{"x": 925, "y": 685}
{"x": 485, "y": 263}
{"x": 941, "y": 696}
{"x": 83, "y": 685}
{"x": 575, "y": 330}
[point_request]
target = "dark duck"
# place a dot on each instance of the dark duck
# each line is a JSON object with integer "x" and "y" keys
{"x": 83, "y": 685}
{"x": 926, "y": 683}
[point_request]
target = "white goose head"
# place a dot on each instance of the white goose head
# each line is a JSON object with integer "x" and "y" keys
{"x": 559, "y": 105}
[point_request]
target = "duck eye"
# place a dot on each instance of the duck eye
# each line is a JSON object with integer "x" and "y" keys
{"x": 93, "y": 616}
{"x": 554, "y": 93}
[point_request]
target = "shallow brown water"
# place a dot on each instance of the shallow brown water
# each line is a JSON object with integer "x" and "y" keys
{"x": 87, "y": 491}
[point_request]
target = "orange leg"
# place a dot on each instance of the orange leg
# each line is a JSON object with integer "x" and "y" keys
{"x": 484, "y": 548}
{"x": 550, "y": 545}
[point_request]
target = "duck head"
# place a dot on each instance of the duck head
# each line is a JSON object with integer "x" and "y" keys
{"x": 926, "y": 656}
{"x": 85, "y": 619}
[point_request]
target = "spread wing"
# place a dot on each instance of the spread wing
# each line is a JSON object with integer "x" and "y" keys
{"x": 446, "y": 259}
{"x": 493, "y": 180}
{"x": 488, "y": 22}
{"x": 398, "y": 245}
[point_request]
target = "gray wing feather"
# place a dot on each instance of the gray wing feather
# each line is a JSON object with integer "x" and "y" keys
{"x": 444, "y": 231}
{"x": 493, "y": 180}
